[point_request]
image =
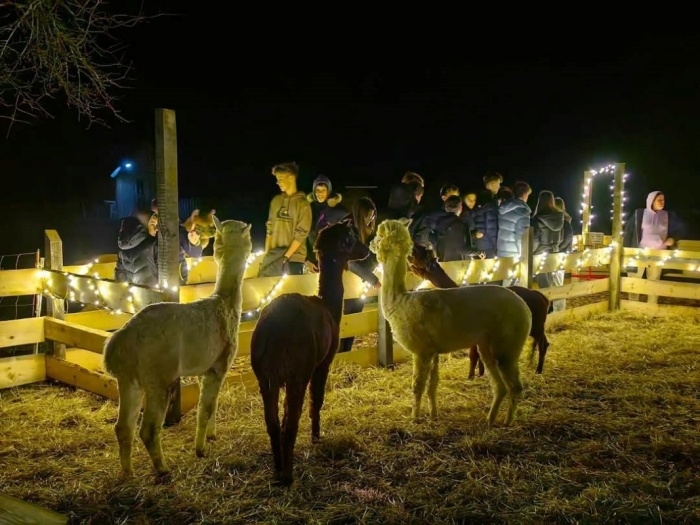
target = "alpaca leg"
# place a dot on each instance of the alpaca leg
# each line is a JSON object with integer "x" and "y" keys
{"x": 129, "y": 406}
{"x": 542, "y": 344}
{"x": 318, "y": 392}
{"x": 293, "y": 404}
{"x": 481, "y": 367}
{"x": 473, "y": 359}
{"x": 421, "y": 370}
{"x": 433, "y": 381}
{"x": 152, "y": 424}
{"x": 497, "y": 384}
{"x": 532, "y": 350}
{"x": 206, "y": 409}
{"x": 271, "y": 397}
{"x": 510, "y": 373}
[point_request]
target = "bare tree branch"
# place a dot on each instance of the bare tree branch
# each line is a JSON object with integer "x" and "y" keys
{"x": 61, "y": 49}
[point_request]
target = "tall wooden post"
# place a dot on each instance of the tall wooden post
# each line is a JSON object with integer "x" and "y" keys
{"x": 617, "y": 254}
{"x": 168, "y": 224}
{"x": 587, "y": 200}
{"x": 53, "y": 260}
{"x": 526, "y": 258}
{"x": 38, "y": 263}
{"x": 385, "y": 341}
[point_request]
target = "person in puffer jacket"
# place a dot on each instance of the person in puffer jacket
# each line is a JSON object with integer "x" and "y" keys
{"x": 513, "y": 221}
{"x": 137, "y": 255}
{"x": 325, "y": 210}
{"x": 548, "y": 236}
{"x": 486, "y": 215}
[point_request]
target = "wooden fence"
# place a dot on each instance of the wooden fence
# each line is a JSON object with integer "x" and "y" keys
{"x": 77, "y": 339}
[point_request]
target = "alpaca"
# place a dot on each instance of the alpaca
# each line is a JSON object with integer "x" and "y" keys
{"x": 424, "y": 264}
{"x": 165, "y": 341}
{"x": 295, "y": 341}
{"x": 431, "y": 322}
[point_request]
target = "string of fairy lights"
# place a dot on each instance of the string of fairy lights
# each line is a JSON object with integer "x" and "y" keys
{"x": 586, "y": 205}
{"x": 104, "y": 294}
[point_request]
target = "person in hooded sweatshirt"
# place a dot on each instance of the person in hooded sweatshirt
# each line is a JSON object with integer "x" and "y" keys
{"x": 325, "y": 210}
{"x": 137, "y": 255}
{"x": 548, "y": 236}
{"x": 655, "y": 228}
{"x": 287, "y": 226}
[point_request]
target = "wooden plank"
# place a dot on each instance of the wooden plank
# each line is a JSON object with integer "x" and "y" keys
{"x": 22, "y": 370}
{"x": 569, "y": 291}
{"x": 25, "y": 331}
{"x": 661, "y": 309}
{"x": 14, "y": 511}
{"x": 85, "y": 358}
{"x": 99, "y": 319}
{"x": 661, "y": 288}
{"x": 74, "y": 335}
{"x": 104, "y": 270}
{"x": 362, "y": 323}
{"x": 577, "y": 313}
{"x": 119, "y": 297}
{"x": 80, "y": 377}
{"x": 20, "y": 282}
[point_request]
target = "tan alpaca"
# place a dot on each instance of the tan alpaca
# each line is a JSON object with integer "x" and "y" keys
{"x": 433, "y": 322}
{"x": 165, "y": 341}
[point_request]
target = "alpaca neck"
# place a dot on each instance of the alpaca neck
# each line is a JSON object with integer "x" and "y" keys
{"x": 330, "y": 285}
{"x": 393, "y": 280}
{"x": 228, "y": 283}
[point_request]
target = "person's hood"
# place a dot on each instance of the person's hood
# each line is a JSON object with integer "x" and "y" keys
{"x": 322, "y": 179}
{"x": 650, "y": 199}
{"x": 332, "y": 200}
{"x": 554, "y": 220}
{"x": 131, "y": 233}
{"x": 512, "y": 204}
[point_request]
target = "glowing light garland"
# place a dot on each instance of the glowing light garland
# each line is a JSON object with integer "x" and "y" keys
{"x": 586, "y": 206}
{"x": 84, "y": 290}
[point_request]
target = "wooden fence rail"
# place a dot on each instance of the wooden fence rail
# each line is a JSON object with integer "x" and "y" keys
{"x": 110, "y": 304}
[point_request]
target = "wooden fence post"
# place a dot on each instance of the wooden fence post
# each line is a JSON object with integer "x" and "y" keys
{"x": 39, "y": 298}
{"x": 168, "y": 226}
{"x": 587, "y": 198}
{"x": 385, "y": 341}
{"x": 618, "y": 251}
{"x": 526, "y": 258}
{"x": 53, "y": 260}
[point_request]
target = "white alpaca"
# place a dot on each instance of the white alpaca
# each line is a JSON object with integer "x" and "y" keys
{"x": 432, "y": 322}
{"x": 165, "y": 341}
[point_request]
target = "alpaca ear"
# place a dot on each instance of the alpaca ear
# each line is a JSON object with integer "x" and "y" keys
{"x": 217, "y": 223}
{"x": 247, "y": 228}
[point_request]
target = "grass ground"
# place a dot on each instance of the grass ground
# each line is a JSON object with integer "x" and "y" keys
{"x": 609, "y": 433}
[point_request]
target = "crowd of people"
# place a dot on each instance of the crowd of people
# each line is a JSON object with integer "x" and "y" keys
{"x": 485, "y": 224}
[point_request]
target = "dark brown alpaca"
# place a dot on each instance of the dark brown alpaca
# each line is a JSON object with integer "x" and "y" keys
{"x": 425, "y": 265}
{"x": 295, "y": 341}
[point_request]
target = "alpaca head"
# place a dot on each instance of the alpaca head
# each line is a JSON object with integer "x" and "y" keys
{"x": 232, "y": 242}
{"x": 393, "y": 240}
{"x": 423, "y": 262}
{"x": 340, "y": 241}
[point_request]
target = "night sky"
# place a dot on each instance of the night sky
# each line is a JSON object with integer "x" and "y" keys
{"x": 365, "y": 105}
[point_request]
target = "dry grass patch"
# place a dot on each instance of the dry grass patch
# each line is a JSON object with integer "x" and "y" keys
{"x": 609, "y": 433}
